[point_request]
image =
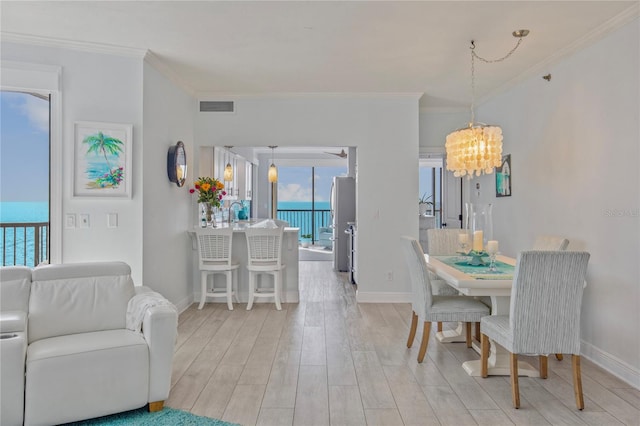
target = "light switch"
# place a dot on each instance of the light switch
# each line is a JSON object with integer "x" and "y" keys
{"x": 70, "y": 220}
{"x": 112, "y": 220}
{"x": 84, "y": 220}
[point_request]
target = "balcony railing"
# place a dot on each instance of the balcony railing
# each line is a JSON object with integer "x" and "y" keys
{"x": 23, "y": 243}
{"x": 307, "y": 220}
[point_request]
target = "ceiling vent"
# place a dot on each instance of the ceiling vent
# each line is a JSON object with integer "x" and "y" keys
{"x": 216, "y": 106}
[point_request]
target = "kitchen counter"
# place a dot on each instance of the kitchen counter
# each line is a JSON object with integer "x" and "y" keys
{"x": 290, "y": 293}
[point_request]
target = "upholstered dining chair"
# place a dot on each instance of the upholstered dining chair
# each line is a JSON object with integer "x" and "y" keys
{"x": 264, "y": 247}
{"x": 214, "y": 252}
{"x": 544, "y": 316}
{"x": 551, "y": 242}
{"x": 443, "y": 242}
{"x": 428, "y": 307}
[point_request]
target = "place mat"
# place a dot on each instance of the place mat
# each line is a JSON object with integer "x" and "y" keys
{"x": 480, "y": 272}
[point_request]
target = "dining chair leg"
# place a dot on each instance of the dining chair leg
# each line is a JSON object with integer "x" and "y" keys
{"x": 229, "y": 277}
{"x": 484, "y": 355}
{"x": 559, "y": 357}
{"x": 439, "y": 326}
{"x": 577, "y": 381}
{"x": 425, "y": 340}
{"x": 515, "y": 390}
{"x": 277, "y": 288}
{"x": 468, "y": 336}
{"x": 478, "y": 331}
{"x": 412, "y": 330}
{"x": 203, "y": 289}
{"x": 543, "y": 366}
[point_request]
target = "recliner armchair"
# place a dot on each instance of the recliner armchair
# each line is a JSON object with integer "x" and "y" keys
{"x": 83, "y": 360}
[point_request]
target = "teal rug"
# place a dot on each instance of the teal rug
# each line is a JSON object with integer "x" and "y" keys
{"x": 142, "y": 417}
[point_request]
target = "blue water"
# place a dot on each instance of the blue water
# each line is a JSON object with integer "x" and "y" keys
{"x": 302, "y": 220}
{"x": 21, "y": 212}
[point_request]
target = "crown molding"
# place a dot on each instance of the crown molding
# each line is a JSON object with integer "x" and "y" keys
{"x": 588, "y": 39}
{"x": 107, "y": 49}
{"x": 445, "y": 110}
{"x": 164, "y": 69}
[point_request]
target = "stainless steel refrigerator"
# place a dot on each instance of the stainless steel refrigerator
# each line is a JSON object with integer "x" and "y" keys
{"x": 343, "y": 210}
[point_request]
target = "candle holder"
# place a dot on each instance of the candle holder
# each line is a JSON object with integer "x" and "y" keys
{"x": 476, "y": 258}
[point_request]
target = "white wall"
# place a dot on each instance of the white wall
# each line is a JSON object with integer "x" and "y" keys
{"x": 104, "y": 88}
{"x": 385, "y": 131}
{"x": 436, "y": 125}
{"x": 168, "y": 263}
{"x": 575, "y": 146}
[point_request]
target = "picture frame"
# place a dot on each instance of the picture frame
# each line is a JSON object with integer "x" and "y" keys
{"x": 503, "y": 177}
{"x": 102, "y": 159}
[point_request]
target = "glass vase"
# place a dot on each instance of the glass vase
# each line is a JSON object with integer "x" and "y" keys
{"x": 481, "y": 224}
{"x": 209, "y": 214}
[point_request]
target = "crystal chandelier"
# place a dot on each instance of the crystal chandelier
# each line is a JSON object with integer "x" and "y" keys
{"x": 477, "y": 148}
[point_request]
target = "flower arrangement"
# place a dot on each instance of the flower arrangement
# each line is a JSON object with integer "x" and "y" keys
{"x": 210, "y": 190}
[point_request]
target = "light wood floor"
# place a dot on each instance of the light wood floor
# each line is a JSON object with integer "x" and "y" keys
{"x": 330, "y": 361}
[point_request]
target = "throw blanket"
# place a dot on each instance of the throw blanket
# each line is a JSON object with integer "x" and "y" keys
{"x": 138, "y": 306}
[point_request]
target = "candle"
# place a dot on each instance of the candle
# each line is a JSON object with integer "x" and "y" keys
{"x": 492, "y": 247}
{"x": 463, "y": 238}
{"x": 477, "y": 241}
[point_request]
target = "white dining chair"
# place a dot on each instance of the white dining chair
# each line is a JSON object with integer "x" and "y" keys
{"x": 264, "y": 247}
{"x": 214, "y": 253}
{"x": 544, "y": 316}
{"x": 428, "y": 307}
{"x": 443, "y": 242}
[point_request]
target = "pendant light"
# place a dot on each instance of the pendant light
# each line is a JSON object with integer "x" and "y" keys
{"x": 228, "y": 170}
{"x": 477, "y": 148}
{"x": 273, "y": 170}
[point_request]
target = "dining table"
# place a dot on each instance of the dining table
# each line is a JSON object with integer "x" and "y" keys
{"x": 491, "y": 286}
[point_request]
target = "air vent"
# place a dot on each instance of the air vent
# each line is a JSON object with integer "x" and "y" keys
{"x": 216, "y": 106}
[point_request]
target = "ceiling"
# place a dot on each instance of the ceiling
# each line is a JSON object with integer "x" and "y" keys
{"x": 265, "y": 47}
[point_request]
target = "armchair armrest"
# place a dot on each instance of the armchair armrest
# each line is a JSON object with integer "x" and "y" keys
{"x": 13, "y": 321}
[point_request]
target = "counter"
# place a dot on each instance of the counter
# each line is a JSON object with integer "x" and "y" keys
{"x": 290, "y": 293}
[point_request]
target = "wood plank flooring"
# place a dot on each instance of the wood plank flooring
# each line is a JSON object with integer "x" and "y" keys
{"x": 329, "y": 361}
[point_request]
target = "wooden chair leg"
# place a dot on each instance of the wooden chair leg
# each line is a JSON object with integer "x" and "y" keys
{"x": 477, "y": 331}
{"x": 543, "y": 366}
{"x": 515, "y": 390}
{"x": 425, "y": 340}
{"x": 412, "y": 330}
{"x": 468, "y": 336}
{"x": 577, "y": 381}
{"x": 559, "y": 357}
{"x": 484, "y": 355}
{"x": 155, "y": 406}
{"x": 439, "y": 326}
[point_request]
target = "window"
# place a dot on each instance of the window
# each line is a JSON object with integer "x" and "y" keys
{"x": 24, "y": 178}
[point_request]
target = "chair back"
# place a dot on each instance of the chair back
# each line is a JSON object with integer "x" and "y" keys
{"x": 546, "y": 299}
{"x": 15, "y": 285}
{"x": 264, "y": 247}
{"x": 418, "y": 275}
{"x": 550, "y": 242}
{"x": 444, "y": 241}
{"x": 214, "y": 246}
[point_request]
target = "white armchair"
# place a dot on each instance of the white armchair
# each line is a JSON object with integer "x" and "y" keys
{"x": 81, "y": 360}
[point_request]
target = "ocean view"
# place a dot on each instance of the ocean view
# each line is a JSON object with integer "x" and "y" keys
{"x": 17, "y": 244}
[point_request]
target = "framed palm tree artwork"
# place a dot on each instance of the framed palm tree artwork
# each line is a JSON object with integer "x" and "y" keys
{"x": 102, "y": 160}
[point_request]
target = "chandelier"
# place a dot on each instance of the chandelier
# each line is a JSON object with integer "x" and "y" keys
{"x": 477, "y": 148}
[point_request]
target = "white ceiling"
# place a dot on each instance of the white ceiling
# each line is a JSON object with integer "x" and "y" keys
{"x": 239, "y": 47}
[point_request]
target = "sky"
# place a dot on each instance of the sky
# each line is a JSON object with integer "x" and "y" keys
{"x": 24, "y": 147}
{"x": 294, "y": 183}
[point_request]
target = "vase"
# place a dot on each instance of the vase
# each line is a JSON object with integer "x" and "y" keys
{"x": 209, "y": 214}
{"x": 481, "y": 224}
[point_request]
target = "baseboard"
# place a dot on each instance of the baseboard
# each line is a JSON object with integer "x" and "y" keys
{"x": 184, "y": 304}
{"x": 612, "y": 364}
{"x": 288, "y": 297}
{"x": 383, "y": 297}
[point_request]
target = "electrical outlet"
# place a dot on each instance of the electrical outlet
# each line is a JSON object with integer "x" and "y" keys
{"x": 84, "y": 220}
{"x": 389, "y": 275}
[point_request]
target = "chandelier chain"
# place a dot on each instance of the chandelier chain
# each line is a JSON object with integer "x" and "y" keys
{"x": 491, "y": 61}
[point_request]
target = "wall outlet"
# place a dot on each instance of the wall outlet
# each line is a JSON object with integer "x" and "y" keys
{"x": 389, "y": 275}
{"x": 84, "y": 220}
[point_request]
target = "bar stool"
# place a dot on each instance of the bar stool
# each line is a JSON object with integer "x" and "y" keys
{"x": 214, "y": 251}
{"x": 265, "y": 257}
